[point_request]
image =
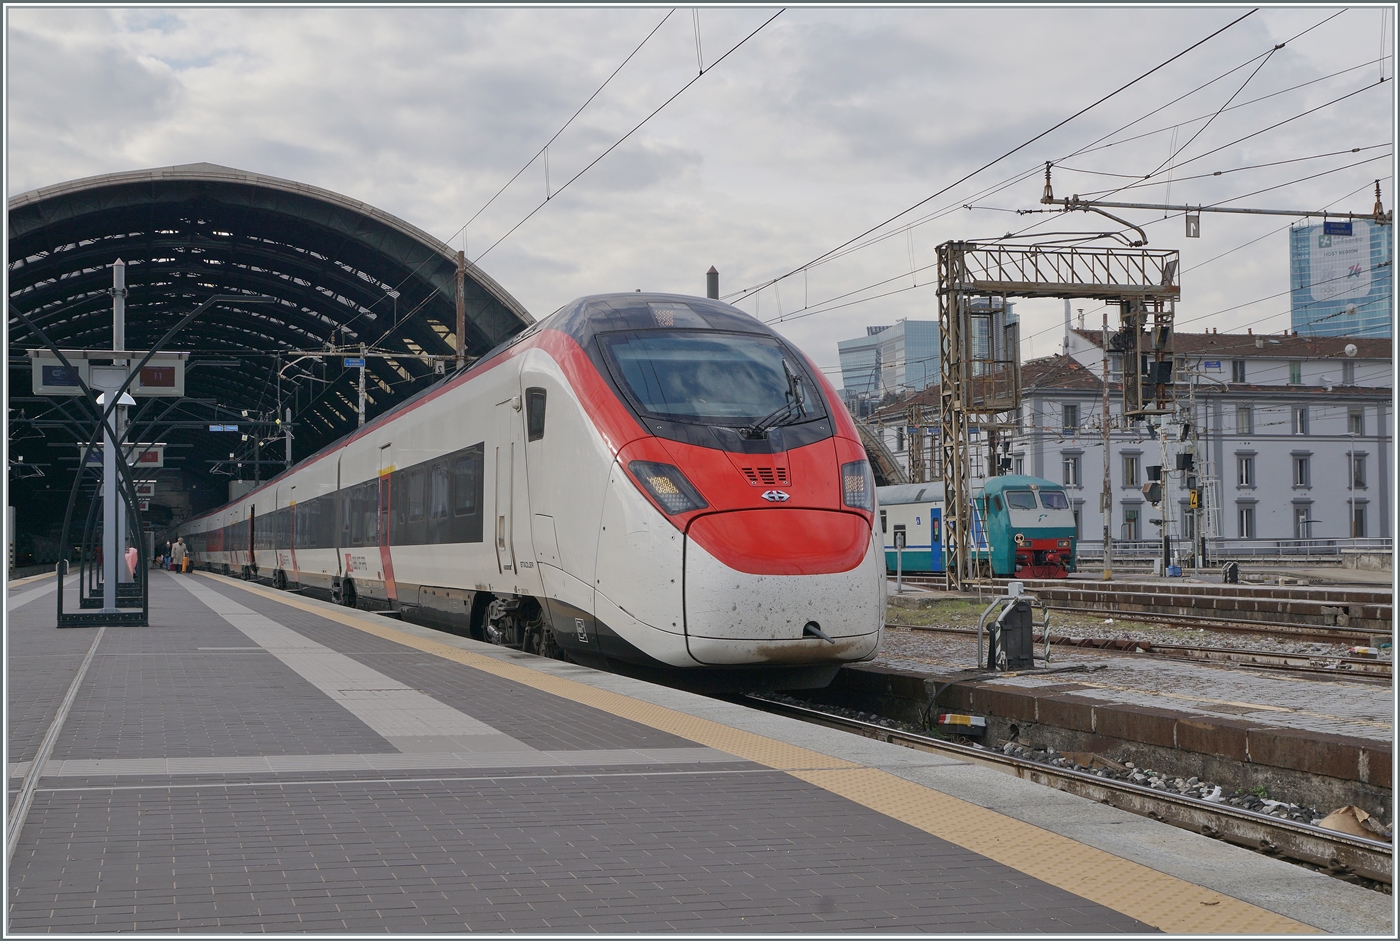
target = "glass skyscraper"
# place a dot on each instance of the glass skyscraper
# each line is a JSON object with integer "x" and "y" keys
{"x": 1340, "y": 277}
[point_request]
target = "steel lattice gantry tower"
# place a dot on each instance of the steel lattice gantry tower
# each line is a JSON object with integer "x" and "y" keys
{"x": 980, "y": 370}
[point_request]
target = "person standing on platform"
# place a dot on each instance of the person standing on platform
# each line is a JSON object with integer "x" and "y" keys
{"x": 177, "y": 555}
{"x": 165, "y": 559}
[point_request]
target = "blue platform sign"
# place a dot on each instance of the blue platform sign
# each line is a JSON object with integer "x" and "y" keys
{"x": 1212, "y": 364}
{"x": 354, "y": 362}
{"x": 1336, "y": 228}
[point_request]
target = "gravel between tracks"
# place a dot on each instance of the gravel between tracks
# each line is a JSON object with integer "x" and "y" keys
{"x": 961, "y": 612}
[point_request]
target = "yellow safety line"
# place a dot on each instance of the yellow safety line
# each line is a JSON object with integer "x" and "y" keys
{"x": 30, "y": 578}
{"x": 1156, "y": 898}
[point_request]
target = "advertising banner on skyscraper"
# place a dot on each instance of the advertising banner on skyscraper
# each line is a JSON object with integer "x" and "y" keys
{"x": 1340, "y": 279}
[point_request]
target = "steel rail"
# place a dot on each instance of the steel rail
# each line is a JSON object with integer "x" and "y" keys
{"x": 1352, "y": 668}
{"x": 1311, "y": 633}
{"x": 1338, "y": 853}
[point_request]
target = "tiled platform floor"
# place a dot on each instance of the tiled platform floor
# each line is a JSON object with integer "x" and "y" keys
{"x": 262, "y": 762}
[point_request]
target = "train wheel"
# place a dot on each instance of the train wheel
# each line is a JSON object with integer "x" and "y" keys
{"x": 279, "y": 580}
{"x": 540, "y": 638}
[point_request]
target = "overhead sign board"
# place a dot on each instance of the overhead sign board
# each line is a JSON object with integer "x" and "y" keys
{"x": 1336, "y": 228}
{"x": 223, "y": 427}
{"x": 354, "y": 362}
{"x": 164, "y": 375}
{"x": 142, "y": 456}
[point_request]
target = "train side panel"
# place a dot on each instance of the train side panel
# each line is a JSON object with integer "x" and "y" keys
{"x": 922, "y": 525}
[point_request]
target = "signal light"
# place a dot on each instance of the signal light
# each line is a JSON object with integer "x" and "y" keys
{"x": 858, "y": 486}
{"x": 667, "y": 486}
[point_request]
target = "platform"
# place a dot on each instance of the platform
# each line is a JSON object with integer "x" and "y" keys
{"x": 261, "y": 761}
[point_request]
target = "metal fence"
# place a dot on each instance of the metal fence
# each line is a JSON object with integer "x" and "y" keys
{"x": 1221, "y": 550}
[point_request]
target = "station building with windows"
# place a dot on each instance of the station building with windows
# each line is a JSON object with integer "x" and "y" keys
{"x": 1291, "y": 441}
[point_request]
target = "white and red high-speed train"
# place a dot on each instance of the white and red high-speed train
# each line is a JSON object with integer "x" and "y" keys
{"x": 650, "y": 478}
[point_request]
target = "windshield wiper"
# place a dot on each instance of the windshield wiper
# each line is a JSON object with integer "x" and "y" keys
{"x": 789, "y": 412}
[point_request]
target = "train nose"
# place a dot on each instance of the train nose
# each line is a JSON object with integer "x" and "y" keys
{"x": 754, "y": 579}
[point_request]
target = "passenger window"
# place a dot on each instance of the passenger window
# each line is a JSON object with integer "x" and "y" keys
{"x": 370, "y": 510}
{"x": 415, "y": 496}
{"x": 437, "y": 506}
{"x": 534, "y": 414}
{"x": 464, "y": 473}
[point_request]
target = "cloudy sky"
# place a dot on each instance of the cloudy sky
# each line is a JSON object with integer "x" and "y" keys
{"x": 824, "y": 123}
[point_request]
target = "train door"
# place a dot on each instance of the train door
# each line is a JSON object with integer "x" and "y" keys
{"x": 507, "y": 421}
{"x": 340, "y": 527}
{"x": 935, "y": 521}
{"x": 252, "y": 541}
{"x": 386, "y": 468}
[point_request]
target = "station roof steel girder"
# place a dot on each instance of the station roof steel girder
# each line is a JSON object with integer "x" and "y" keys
{"x": 189, "y": 232}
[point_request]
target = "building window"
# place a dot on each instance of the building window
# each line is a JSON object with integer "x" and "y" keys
{"x": 1070, "y": 413}
{"x": 1300, "y": 419}
{"x": 1356, "y": 422}
{"x": 1131, "y": 477}
{"x": 1188, "y": 521}
{"x": 1358, "y": 521}
{"x": 1071, "y": 470}
{"x": 1130, "y": 523}
{"x": 1246, "y": 467}
{"x": 1302, "y": 522}
{"x": 1115, "y": 365}
{"x": 1302, "y": 470}
{"x": 1348, "y": 373}
{"x": 899, "y": 439}
{"x": 1237, "y": 371}
{"x": 1358, "y": 471}
{"x": 1019, "y": 463}
{"x": 1295, "y": 373}
{"x": 1244, "y": 419}
{"x": 1246, "y": 518}
{"x": 1078, "y": 531}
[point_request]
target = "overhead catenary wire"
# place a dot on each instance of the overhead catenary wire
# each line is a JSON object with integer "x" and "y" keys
{"x": 1094, "y": 145}
{"x": 827, "y": 305}
{"x": 1002, "y": 157}
{"x": 626, "y": 136}
{"x": 565, "y": 126}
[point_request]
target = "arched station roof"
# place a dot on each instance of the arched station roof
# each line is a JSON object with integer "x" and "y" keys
{"x": 189, "y": 232}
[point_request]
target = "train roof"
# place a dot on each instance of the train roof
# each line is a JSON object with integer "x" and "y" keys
{"x": 896, "y": 494}
{"x": 1018, "y": 481}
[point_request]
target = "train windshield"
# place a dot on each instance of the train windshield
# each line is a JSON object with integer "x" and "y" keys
{"x": 1020, "y": 499}
{"x": 1054, "y": 500}
{"x": 727, "y": 379}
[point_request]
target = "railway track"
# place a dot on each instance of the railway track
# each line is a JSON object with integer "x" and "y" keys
{"x": 1208, "y": 618}
{"x": 1319, "y": 666}
{"x": 1337, "y": 853}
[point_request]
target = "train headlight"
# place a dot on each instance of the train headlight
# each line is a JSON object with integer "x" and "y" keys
{"x": 667, "y": 486}
{"x": 858, "y": 486}
{"x": 1063, "y": 543}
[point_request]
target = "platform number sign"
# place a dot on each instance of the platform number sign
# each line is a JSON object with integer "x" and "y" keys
{"x": 1193, "y": 225}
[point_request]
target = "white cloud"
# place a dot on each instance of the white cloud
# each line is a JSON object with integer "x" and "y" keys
{"x": 823, "y": 124}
